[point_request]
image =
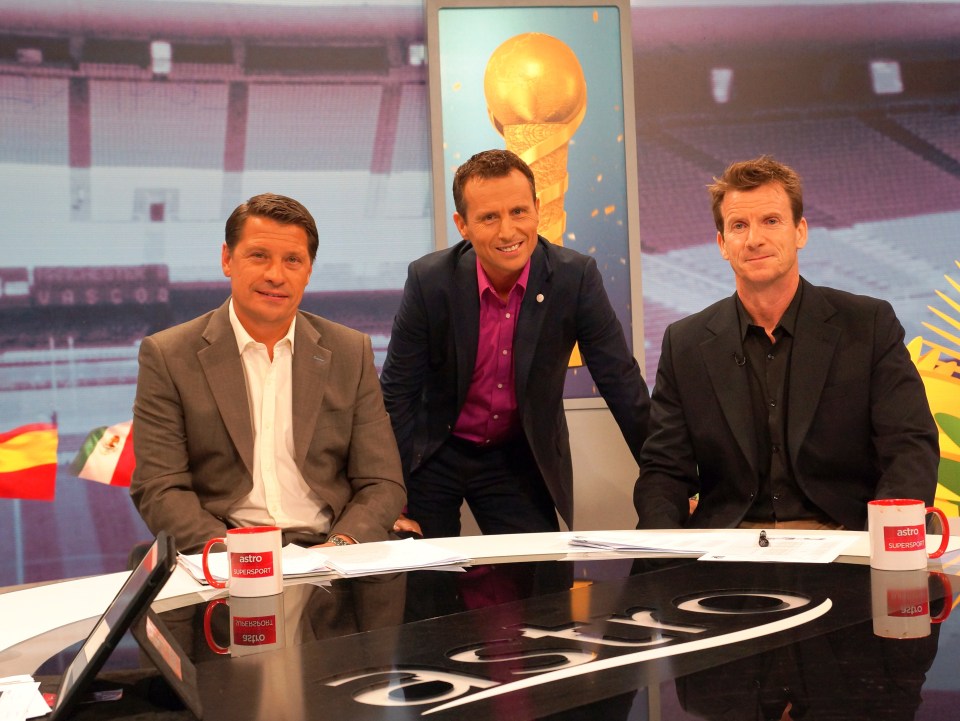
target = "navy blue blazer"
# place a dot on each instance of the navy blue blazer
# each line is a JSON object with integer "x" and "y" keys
{"x": 433, "y": 351}
{"x": 858, "y": 422}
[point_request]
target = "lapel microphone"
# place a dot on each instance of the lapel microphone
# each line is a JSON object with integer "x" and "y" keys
{"x": 740, "y": 359}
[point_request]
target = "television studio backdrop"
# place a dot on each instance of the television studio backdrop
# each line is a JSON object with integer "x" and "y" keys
{"x": 129, "y": 129}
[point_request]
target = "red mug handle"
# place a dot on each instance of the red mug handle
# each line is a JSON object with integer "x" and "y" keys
{"x": 947, "y": 597}
{"x": 206, "y": 566}
{"x": 945, "y": 527}
{"x": 207, "y": 632}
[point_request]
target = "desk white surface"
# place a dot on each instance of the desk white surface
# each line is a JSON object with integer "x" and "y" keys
{"x": 77, "y": 603}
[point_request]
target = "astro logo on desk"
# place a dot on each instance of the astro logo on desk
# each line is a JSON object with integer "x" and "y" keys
{"x": 644, "y": 627}
{"x": 251, "y": 565}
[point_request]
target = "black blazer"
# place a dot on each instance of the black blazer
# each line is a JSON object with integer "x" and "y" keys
{"x": 858, "y": 423}
{"x": 433, "y": 351}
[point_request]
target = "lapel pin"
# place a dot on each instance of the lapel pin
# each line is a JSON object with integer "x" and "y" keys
{"x": 539, "y": 297}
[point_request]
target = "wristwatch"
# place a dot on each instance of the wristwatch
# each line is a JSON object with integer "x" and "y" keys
{"x": 338, "y": 540}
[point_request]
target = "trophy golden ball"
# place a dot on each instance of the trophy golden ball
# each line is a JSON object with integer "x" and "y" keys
{"x": 534, "y": 78}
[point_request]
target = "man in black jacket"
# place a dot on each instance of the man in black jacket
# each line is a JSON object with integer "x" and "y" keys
{"x": 786, "y": 404}
{"x": 473, "y": 379}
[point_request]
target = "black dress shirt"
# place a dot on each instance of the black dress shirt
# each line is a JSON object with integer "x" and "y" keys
{"x": 780, "y": 498}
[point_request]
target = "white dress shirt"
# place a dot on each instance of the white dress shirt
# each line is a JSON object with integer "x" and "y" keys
{"x": 280, "y": 496}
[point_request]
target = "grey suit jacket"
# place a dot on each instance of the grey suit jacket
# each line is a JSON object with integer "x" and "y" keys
{"x": 858, "y": 423}
{"x": 433, "y": 352}
{"x": 193, "y": 435}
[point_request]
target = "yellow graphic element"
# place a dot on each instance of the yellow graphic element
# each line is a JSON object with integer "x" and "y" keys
{"x": 536, "y": 99}
{"x": 939, "y": 367}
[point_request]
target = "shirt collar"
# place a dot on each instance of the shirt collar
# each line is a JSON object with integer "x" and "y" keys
{"x": 788, "y": 320}
{"x": 484, "y": 284}
{"x": 244, "y": 339}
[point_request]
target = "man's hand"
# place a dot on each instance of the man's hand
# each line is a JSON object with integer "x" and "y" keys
{"x": 407, "y": 525}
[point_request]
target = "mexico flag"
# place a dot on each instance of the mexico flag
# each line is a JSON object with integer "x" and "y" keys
{"x": 106, "y": 456}
{"x": 28, "y": 462}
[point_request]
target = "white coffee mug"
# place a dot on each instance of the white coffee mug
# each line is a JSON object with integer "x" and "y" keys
{"x": 254, "y": 561}
{"x": 256, "y": 625}
{"x": 901, "y": 602}
{"x": 898, "y": 538}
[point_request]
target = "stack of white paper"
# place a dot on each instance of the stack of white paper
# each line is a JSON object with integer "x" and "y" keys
{"x": 20, "y": 698}
{"x": 405, "y": 555}
{"x": 781, "y": 547}
{"x": 684, "y": 542}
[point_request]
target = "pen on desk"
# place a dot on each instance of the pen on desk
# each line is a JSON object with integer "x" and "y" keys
{"x": 764, "y": 541}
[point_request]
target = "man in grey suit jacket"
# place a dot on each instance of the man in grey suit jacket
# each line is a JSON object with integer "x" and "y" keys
{"x": 474, "y": 374}
{"x": 260, "y": 414}
{"x": 787, "y": 404}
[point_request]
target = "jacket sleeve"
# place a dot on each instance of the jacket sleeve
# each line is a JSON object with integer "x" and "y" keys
{"x": 612, "y": 366}
{"x": 668, "y": 468}
{"x": 905, "y": 437}
{"x": 406, "y": 366}
{"x": 377, "y": 493}
{"x": 162, "y": 486}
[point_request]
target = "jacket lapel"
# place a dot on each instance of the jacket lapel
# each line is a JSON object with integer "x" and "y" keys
{"x": 815, "y": 343}
{"x": 530, "y": 321}
{"x": 223, "y": 370}
{"x": 721, "y": 356}
{"x": 466, "y": 322}
{"x": 311, "y": 369}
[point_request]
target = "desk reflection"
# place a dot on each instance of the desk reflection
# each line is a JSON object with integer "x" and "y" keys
{"x": 301, "y": 614}
{"x": 847, "y": 674}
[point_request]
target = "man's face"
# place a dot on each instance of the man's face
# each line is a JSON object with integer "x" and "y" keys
{"x": 501, "y": 222}
{"x": 760, "y": 239}
{"x": 268, "y": 270}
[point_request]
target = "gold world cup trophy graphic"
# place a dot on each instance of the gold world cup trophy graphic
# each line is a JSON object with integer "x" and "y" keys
{"x": 536, "y": 99}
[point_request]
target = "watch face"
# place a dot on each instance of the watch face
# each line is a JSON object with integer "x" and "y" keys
{"x": 338, "y": 541}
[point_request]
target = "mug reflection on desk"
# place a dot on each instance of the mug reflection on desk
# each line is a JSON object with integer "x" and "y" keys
{"x": 256, "y": 625}
{"x": 901, "y": 602}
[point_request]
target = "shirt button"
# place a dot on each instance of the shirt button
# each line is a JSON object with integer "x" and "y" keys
{"x": 499, "y": 385}
{"x": 496, "y": 416}
{"x": 770, "y": 356}
{"x": 508, "y": 315}
{"x": 776, "y": 496}
{"x": 505, "y": 351}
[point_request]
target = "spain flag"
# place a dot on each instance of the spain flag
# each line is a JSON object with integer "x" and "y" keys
{"x": 28, "y": 462}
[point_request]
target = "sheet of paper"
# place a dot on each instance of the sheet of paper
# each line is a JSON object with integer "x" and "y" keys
{"x": 797, "y": 548}
{"x": 404, "y": 555}
{"x": 20, "y": 699}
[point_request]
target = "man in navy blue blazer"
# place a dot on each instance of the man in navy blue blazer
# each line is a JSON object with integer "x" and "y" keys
{"x": 474, "y": 375}
{"x": 786, "y": 404}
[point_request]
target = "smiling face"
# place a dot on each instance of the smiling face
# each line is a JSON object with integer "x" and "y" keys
{"x": 501, "y": 222}
{"x": 760, "y": 238}
{"x": 269, "y": 268}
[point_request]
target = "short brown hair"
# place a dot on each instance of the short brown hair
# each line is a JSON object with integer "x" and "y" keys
{"x": 494, "y": 163}
{"x": 280, "y": 208}
{"x": 750, "y": 174}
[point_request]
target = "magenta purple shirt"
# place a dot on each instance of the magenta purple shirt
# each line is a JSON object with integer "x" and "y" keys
{"x": 489, "y": 414}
